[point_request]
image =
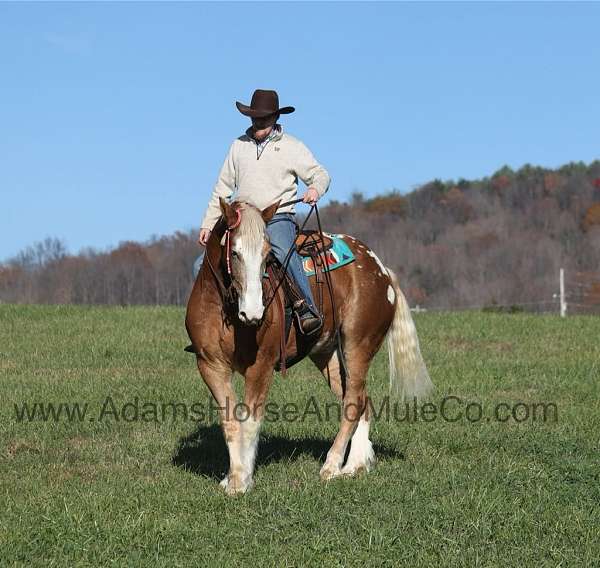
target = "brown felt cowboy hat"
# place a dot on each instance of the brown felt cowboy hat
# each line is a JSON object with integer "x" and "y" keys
{"x": 264, "y": 103}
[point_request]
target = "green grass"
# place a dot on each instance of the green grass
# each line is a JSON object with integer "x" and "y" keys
{"x": 451, "y": 493}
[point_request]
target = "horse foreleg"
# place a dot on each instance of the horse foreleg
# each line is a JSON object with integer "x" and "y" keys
{"x": 218, "y": 380}
{"x": 258, "y": 383}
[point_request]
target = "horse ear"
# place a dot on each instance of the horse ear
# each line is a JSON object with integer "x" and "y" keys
{"x": 267, "y": 214}
{"x": 228, "y": 211}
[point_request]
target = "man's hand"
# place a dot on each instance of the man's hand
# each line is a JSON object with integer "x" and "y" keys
{"x": 204, "y": 236}
{"x": 311, "y": 196}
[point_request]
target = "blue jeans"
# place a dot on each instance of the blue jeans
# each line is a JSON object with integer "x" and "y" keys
{"x": 282, "y": 234}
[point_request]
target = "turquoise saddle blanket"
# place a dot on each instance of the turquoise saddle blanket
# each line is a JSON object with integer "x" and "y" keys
{"x": 337, "y": 256}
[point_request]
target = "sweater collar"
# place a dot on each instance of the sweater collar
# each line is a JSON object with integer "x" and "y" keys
{"x": 275, "y": 134}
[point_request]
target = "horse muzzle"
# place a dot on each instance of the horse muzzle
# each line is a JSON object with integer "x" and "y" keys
{"x": 249, "y": 318}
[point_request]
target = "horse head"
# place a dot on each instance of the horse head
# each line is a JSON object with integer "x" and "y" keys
{"x": 246, "y": 248}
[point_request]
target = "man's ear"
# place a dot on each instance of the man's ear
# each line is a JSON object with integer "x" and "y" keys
{"x": 267, "y": 214}
{"x": 228, "y": 212}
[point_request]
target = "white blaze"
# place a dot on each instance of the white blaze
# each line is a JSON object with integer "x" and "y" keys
{"x": 251, "y": 300}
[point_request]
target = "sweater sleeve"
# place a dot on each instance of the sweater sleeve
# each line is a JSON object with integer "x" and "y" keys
{"x": 310, "y": 171}
{"x": 224, "y": 187}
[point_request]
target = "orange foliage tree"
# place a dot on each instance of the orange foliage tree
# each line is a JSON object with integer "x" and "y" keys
{"x": 592, "y": 217}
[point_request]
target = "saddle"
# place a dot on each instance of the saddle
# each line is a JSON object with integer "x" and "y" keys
{"x": 310, "y": 243}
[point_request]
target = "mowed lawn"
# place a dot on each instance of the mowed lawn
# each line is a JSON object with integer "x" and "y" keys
{"x": 101, "y": 490}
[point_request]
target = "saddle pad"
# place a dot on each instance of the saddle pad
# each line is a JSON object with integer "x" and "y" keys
{"x": 338, "y": 255}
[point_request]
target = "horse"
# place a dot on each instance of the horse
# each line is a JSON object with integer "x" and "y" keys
{"x": 237, "y": 332}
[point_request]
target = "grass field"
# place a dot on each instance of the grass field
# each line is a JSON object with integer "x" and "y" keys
{"x": 455, "y": 493}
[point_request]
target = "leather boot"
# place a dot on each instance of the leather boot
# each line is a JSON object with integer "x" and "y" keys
{"x": 309, "y": 323}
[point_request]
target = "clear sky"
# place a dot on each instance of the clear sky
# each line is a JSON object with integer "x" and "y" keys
{"x": 115, "y": 118}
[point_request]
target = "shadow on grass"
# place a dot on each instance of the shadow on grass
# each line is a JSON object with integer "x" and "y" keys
{"x": 203, "y": 451}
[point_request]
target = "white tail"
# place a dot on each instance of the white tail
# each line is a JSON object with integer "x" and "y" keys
{"x": 408, "y": 375}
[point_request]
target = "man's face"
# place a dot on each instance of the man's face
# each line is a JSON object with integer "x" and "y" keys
{"x": 261, "y": 127}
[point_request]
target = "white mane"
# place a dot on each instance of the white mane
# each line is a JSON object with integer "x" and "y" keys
{"x": 251, "y": 233}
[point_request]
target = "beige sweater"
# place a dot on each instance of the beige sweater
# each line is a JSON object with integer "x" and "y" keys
{"x": 266, "y": 179}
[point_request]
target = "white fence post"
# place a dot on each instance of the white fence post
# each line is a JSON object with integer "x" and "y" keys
{"x": 563, "y": 303}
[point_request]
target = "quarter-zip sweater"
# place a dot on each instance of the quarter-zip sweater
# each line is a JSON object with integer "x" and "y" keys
{"x": 263, "y": 174}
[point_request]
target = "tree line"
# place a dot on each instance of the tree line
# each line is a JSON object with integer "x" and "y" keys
{"x": 157, "y": 272}
{"x": 496, "y": 242}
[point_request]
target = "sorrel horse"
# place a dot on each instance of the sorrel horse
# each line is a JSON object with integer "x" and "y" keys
{"x": 242, "y": 335}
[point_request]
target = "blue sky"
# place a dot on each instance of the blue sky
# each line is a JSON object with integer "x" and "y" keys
{"x": 115, "y": 118}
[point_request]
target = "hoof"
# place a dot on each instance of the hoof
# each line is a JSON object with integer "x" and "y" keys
{"x": 230, "y": 490}
{"x": 356, "y": 468}
{"x": 329, "y": 472}
{"x": 235, "y": 485}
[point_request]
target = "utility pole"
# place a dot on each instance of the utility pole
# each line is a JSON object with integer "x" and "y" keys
{"x": 563, "y": 303}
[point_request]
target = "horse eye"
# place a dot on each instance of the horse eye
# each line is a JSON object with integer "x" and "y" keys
{"x": 234, "y": 254}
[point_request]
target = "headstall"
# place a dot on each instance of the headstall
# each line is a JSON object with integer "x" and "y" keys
{"x": 228, "y": 239}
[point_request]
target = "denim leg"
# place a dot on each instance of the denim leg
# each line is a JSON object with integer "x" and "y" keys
{"x": 282, "y": 233}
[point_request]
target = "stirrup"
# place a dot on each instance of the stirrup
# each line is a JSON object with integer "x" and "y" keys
{"x": 301, "y": 309}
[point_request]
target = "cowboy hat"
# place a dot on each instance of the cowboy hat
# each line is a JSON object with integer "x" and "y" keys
{"x": 264, "y": 103}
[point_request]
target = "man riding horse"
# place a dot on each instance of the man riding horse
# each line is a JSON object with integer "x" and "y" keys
{"x": 245, "y": 332}
{"x": 264, "y": 166}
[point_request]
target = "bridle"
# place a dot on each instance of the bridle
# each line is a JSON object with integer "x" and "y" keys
{"x": 228, "y": 239}
{"x": 228, "y": 293}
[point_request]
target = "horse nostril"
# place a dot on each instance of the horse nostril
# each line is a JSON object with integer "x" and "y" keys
{"x": 248, "y": 318}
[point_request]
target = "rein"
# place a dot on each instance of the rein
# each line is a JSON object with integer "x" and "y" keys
{"x": 327, "y": 275}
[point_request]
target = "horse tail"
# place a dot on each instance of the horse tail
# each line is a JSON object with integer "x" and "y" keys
{"x": 408, "y": 375}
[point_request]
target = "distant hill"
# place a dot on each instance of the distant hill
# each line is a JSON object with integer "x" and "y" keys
{"x": 495, "y": 242}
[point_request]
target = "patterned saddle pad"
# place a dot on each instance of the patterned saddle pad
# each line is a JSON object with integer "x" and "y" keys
{"x": 339, "y": 254}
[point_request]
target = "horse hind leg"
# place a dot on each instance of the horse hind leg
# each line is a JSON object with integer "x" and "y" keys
{"x": 352, "y": 428}
{"x": 361, "y": 456}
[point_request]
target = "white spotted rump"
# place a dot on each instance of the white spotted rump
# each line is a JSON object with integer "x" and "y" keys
{"x": 379, "y": 263}
{"x": 391, "y": 295}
